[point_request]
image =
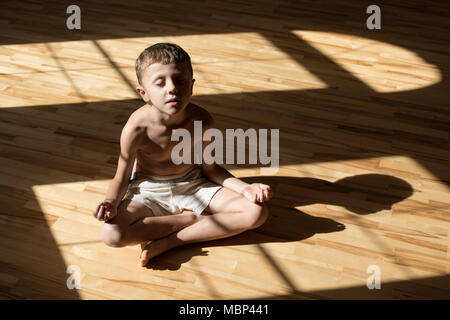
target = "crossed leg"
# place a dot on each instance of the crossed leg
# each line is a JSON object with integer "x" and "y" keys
{"x": 135, "y": 223}
{"x": 227, "y": 214}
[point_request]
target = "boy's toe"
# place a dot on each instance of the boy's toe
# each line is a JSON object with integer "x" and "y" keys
{"x": 145, "y": 254}
{"x": 144, "y": 258}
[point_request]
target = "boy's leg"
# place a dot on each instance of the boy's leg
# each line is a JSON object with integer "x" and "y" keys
{"x": 231, "y": 213}
{"x": 135, "y": 223}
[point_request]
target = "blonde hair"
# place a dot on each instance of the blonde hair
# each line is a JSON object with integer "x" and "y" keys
{"x": 163, "y": 52}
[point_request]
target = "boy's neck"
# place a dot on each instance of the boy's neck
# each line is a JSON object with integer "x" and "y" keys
{"x": 165, "y": 119}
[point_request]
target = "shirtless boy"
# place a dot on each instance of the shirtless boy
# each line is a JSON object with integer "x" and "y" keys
{"x": 170, "y": 205}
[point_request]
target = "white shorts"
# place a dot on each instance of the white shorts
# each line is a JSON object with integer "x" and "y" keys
{"x": 172, "y": 194}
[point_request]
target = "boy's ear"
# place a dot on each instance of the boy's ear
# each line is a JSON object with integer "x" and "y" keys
{"x": 140, "y": 90}
{"x": 142, "y": 93}
{"x": 192, "y": 85}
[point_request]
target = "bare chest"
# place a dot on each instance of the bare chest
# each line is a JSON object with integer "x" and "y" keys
{"x": 158, "y": 147}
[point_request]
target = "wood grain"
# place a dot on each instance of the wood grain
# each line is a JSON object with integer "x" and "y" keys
{"x": 364, "y": 146}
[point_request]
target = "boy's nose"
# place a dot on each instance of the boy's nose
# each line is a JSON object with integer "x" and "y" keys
{"x": 172, "y": 87}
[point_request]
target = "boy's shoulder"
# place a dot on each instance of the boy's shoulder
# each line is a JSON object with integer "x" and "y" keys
{"x": 139, "y": 116}
{"x": 140, "y": 119}
{"x": 137, "y": 121}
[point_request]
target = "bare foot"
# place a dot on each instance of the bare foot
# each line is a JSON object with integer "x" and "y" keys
{"x": 152, "y": 249}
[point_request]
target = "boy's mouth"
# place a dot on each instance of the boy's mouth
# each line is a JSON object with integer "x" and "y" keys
{"x": 174, "y": 101}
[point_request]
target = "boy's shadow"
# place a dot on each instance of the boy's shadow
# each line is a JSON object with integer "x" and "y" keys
{"x": 361, "y": 194}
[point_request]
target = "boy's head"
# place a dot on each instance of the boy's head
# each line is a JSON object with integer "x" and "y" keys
{"x": 164, "y": 71}
{"x": 163, "y": 52}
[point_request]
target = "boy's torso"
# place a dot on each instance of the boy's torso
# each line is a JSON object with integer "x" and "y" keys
{"x": 155, "y": 148}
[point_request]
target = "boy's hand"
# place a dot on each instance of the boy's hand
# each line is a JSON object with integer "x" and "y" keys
{"x": 257, "y": 192}
{"x": 105, "y": 211}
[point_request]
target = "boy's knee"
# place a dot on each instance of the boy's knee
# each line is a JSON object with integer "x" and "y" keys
{"x": 113, "y": 235}
{"x": 258, "y": 215}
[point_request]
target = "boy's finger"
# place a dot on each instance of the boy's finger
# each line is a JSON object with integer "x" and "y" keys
{"x": 266, "y": 195}
{"x": 263, "y": 195}
{"x": 101, "y": 212}
{"x": 264, "y": 189}
{"x": 96, "y": 210}
{"x": 112, "y": 213}
{"x": 260, "y": 194}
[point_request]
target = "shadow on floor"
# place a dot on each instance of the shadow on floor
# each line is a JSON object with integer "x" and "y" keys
{"x": 345, "y": 120}
{"x": 432, "y": 288}
{"x": 362, "y": 195}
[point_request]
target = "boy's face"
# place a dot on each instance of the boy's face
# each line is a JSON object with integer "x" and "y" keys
{"x": 164, "y": 82}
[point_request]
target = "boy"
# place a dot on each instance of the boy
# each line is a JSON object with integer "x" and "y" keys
{"x": 167, "y": 205}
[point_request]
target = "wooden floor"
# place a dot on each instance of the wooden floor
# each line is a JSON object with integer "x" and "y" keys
{"x": 364, "y": 119}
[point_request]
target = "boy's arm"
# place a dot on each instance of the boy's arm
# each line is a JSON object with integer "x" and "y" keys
{"x": 223, "y": 177}
{"x": 255, "y": 192}
{"x": 215, "y": 172}
{"x": 129, "y": 140}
